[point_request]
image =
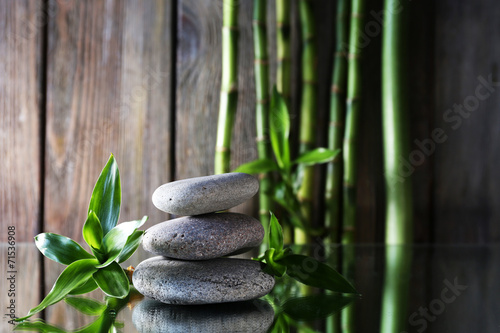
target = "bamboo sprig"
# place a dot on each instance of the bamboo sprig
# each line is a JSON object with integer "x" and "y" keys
{"x": 307, "y": 112}
{"x": 283, "y": 50}
{"x": 229, "y": 86}
{"x": 261, "y": 66}
{"x": 333, "y": 193}
{"x": 353, "y": 106}
{"x": 399, "y": 213}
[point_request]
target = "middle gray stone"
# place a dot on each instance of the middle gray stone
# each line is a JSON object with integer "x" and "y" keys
{"x": 204, "y": 237}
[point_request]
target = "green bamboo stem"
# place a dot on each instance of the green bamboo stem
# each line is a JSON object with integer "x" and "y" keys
{"x": 229, "y": 86}
{"x": 283, "y": 50}
{"x": 353, "y": 108}
{"x": 283, "y": 71}
{"x": 399, "y": 213}
{"x": 333, "y": 198}
{"x": 333, "y": 193}
{"x": 261, "y": 66}
{"x": 307, "y": 113}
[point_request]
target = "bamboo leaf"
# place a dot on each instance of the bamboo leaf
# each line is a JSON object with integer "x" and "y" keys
{"x": 86, "y": 305}
{"x": 315, "y": 307}
{"x": 263, "y": 165}
{"x": 132, "y": 244}
{"x": 116, "y": 239}
{"x": 275, "y": 234}
{"x": 316, "y": 274}
{"x": 106, "y": 197}
{"x": 73, "y": 276}
{"x": 112, "y": 280}
{"x": 38, "y": 325}
{"x": 280, "y": 130}
{"x": 317, "y": 156}
{"x": 61, "y": 249}
{"x": 92, "y": 231}
{"x": 87, "y": 287}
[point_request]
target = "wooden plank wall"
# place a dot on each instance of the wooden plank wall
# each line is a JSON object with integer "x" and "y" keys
{"x": 112, "y": 78}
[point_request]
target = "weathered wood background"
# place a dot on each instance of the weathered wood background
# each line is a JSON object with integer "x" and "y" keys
{"x": 140, "y": 79}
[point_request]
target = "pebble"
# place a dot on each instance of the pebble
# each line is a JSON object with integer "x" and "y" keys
{"x": 250, "y": 316}
{"x": 201, "y": 195}
{"x": 201, "y": 282}
{"x": 203, "y": 237}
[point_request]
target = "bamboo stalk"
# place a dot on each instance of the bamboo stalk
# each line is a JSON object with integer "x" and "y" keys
{"x": 283, "y": 71}
{"x": 333, "y": 194}
{"x": 399, "y": 212}
{"x": 333, "y": 198}
{"x": 307, "y": 113}
{"x": 283, "y": 50}
{"x": 229, "y": 86}
{"x": 353, "y": 108}
{"x": 261, "y": 65}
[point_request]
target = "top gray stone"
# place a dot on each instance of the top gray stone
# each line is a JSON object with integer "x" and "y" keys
{"x": 201, "y": 195}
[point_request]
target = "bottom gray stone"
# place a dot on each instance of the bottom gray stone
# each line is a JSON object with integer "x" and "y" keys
{"x": 151, "y": 316}
{"x": 201, "y": 282}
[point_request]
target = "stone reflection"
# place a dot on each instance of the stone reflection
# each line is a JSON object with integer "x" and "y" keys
{"x": 250, "y": 316}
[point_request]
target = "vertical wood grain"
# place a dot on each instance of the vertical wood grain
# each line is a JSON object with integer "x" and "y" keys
{"x": 466, "y": 164}
{"x": 198, "y": 89}
{"x": 108, "y": 92}
{"x": 109, "y": 73}
{"x": 20, "y": 38}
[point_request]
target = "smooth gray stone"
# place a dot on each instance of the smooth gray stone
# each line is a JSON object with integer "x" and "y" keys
{"x": 150, "y": 316}
{"x": 201, "y": 282}
{"x": 204, "y": 237}
{"x": 203, "y": 195}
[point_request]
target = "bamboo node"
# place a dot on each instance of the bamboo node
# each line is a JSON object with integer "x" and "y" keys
{"x": 351, "y": 55}
{"x": 357, "y": 15}
{"x": 230, "y": 28}
{"x": 263, "y": 101}
{"x": 336, "y": 124}
{"x": 337, "y": 89}
{"x": 264, "y": 62}
{"x": 221, "y": 149}
{"x": 260, "y": 138}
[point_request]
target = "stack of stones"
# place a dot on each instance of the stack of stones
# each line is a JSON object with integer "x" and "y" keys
{"x": 190, "y": 269}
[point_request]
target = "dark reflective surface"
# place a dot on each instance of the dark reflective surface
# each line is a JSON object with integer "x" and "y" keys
{"x": 413, "y": 289}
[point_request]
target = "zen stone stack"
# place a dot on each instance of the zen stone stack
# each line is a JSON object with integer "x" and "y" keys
{"x": 189, "y": 268}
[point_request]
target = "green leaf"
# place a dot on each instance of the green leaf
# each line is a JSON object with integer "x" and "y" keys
{"x": 101, "y": 325}
{"x": 316, "y": 274}
{"x": 87, "y": 287}
{"x": 106, "y": 197}
{"x": 115, "y": 241}
{"x": 132, "y": 244}
{"x": 317, "y": 156}
{"x": 38, "y": 325}
{"x": 86, "y": 305}
{"x": 112, "y": 280}
{"x": 92, "y": 231}
{"x": 74, "y": 275}
{"x": 280, "y": 325}
{"x": 280, "y": 130}
{"x": 61, "y": 249}
{"x": 315, "y": 307}
{"x": 263, "y": 165}
{"x": 275, "y": 234}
